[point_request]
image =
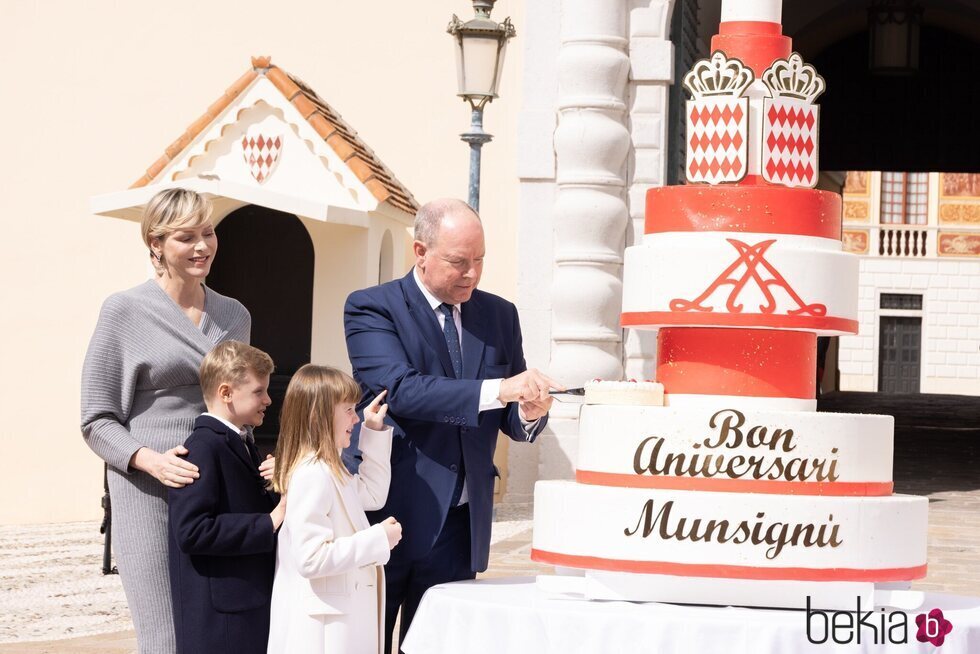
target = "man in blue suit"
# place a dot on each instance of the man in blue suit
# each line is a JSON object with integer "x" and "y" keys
{"x": 451, "y": 359}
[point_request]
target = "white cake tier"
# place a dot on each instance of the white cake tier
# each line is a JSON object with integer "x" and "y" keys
{"x": 741, "y": 401}
{"x": 730, "y": 535}
{"x": 748, "y": 450}
{"x": 645, "y": 393}
{"x": 738, "y": 279}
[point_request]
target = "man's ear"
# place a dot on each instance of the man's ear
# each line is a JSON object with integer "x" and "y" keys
{"x": 419, "y": 248}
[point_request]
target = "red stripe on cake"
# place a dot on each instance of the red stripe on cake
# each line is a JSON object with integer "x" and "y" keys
{"x": 721, "y": 320}
{"x": 777, "y": 487}
{"x": 747, "y": 27}
{"x": 729, "y": 571}
{"x": 744, "y": 362}
{"x": 755, "y": 209}
{"x": 756, "y": 43}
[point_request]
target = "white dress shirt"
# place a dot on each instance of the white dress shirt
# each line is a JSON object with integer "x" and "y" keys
{"x": 490, "y": 388}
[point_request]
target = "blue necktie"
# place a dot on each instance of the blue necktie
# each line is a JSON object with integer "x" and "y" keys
{"x": 452, "y": 339}
{"x": 456, "y": 356}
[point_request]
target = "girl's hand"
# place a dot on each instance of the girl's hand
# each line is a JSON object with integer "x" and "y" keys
{"x": 393, "y": 530}
{"x": 374, "y": 413}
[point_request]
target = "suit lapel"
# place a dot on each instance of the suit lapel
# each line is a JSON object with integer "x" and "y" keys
{"x": 473, "y": 338}
{"x": 239, "y": 448}
{"x": 234, "y": 440}
{"x": 426, "y": 320}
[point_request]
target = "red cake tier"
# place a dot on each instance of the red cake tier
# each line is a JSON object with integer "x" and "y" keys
{"x": 757, "y": 44}
{"x": 754, "y": 209}
{"x": 745, "y": 362}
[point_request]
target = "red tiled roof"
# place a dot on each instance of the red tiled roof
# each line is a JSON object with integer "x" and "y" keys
{"x": 341, "y": 138}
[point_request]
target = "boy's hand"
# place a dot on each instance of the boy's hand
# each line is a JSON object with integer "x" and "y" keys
{"x": 279, "y": 513}
{"x": 268, "y": 467}
{"x": 393, "y": 530}
{"x": 374, "y": 413}
{"x": 167, "y": 468}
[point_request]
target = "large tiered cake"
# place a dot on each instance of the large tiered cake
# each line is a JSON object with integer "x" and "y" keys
{"x": 735, "y": 490}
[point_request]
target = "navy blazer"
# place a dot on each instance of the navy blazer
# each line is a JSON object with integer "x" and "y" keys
{"x": 394, "y": 342}
{"x": 222, "y": 545}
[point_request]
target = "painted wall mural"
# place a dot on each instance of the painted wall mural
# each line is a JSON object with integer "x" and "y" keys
{"x": 959, "y": 199}
{"x": 857, "y": 196}
{"x": 855, "y": 241}
{"x": 959, "y": 244}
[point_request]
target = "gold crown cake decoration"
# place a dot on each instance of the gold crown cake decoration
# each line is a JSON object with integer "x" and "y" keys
{"x": 791, "y": 78}
{"x": 718, "y": 76}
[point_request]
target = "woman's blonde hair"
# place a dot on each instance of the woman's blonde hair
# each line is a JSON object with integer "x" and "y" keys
{"x": 306, "y": 420}
{"x": 173, "y": 209}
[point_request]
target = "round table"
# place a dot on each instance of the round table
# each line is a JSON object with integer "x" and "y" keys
{"x": 511, "y": 615}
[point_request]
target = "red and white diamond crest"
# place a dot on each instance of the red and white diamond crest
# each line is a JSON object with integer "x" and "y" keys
{"x": 789, "y": 142}
{"x": 261, "y": 152}
{"x": 717, "y": 139}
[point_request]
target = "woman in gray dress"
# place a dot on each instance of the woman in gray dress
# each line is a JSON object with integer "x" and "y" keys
{"x": 140, "y": 395}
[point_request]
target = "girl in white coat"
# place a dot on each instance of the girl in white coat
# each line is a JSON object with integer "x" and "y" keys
{"x": 328, "y": 594}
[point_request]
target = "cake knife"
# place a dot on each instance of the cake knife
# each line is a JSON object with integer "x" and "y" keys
{"x": 574, "y": 395}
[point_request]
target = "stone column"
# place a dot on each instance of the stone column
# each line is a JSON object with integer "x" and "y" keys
{"x": 538, "y": 36}
{"x": 651, "y": 73}
{"x": 592, "y": 144}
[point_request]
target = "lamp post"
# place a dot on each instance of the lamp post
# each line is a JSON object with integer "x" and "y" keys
{"x": 893, "y": 29}
{"x": 480, "y": 47}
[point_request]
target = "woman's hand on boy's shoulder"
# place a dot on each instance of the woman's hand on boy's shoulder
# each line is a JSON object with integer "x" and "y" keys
{"x": 169, "y": 468}
{"x": 375, "y": 412}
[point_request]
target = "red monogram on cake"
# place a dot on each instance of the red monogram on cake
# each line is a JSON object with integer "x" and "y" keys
{"x": 261, "y": 153}
{"x": 751, "y": 258}
{"x": 789, "y": 123}
{"x": 717, "y": 120}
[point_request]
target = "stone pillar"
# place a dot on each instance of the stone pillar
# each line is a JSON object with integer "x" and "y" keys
{"x": 651, "y": 74}
{"x": 592, "y": 144}
{"x": 539, "y": 38}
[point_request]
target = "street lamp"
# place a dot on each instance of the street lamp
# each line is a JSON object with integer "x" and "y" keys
{"x": 893, "y": 28}
{"x": 480, "y": 46}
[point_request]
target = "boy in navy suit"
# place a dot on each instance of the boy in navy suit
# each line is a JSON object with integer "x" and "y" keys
{"x": 223, "y": 526}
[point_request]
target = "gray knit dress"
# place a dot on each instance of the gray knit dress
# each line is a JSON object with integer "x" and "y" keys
{"x": 140, "y": 388}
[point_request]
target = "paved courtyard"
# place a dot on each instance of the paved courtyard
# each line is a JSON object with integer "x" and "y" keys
{"x": 55, "y": 597}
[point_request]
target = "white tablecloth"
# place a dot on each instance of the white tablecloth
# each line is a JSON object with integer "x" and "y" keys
{"x": 510, "y": 616}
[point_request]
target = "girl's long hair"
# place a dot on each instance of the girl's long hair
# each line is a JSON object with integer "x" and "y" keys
{"x": 306, "y": 420}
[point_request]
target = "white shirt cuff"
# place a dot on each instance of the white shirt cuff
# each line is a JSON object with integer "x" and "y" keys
{"x": 527, "y": 425}
{"x": 489, "y": 391}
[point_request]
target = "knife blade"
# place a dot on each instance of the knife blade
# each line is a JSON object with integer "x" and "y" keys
{"x": 569, "y": 391}
{"x": 569, "y": 395}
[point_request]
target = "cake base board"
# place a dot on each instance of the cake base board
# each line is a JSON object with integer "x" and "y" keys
{"x": 823, "y": 595}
